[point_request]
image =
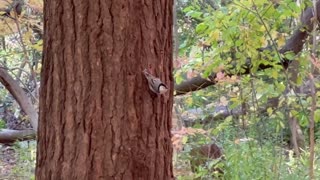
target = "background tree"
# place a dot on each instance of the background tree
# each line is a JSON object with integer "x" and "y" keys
{"x": 21, "y": 45}
{"x": 257, "y": 56}
{"x": 98, "y": 117}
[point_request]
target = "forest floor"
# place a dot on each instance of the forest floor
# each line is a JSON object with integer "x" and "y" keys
{"x": 8, "y": 161}
{"x": 17, "y": 161}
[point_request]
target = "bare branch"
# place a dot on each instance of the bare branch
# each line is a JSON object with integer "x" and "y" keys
{"x": 18, "y": 93}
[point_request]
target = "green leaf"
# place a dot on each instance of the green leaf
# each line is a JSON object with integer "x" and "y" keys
{"x": 201, "y": 28}
{"x": 184, "y": 139}
{"x": 317, "y": 116}
{"x": 194, "y": 14}
{"x": 188, "y": 8}
{"x": 289, "y": 55}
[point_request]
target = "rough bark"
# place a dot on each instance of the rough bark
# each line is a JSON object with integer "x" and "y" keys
{"x": 294, "y": 43}
{"x": 98, "y": 117}
{"x": 20, "y": 96}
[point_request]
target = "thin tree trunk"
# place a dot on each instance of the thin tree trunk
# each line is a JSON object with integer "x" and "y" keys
{"x": 20, "y": 96}
{"x": 98, "y": 117}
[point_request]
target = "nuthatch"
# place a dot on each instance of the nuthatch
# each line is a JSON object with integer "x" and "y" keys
{"x": 155, "y": 84}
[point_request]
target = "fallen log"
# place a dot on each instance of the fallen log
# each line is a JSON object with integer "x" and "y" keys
{"x": 8, "y": 136}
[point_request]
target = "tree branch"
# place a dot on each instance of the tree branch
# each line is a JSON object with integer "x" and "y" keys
{"x": 18, "y": 93}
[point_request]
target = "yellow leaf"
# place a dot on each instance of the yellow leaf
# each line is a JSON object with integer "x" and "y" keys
{"x": 189, "y": 101}
{"x": 184, "y": 139}
{"x": 281, "y": 40}
{"x": 270, "y": 111}
{"x": 274, "y": 34}
{"x": 223, "y": 101}
{"x": 263, "y": 41}
{"x": 215, "y": 35}
{"x": 275, "y": 74}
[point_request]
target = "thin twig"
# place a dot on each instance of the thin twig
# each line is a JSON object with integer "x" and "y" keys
{"x": 313, "y": 92}
{"x": 311, "y": 126}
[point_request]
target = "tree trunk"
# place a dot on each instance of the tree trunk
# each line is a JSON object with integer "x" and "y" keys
{"x": 98, "y": 117}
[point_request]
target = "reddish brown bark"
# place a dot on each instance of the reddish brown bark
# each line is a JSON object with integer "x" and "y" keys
{"x": 98, "y": 118}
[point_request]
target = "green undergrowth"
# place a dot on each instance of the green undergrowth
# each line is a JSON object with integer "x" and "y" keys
{"x": 248, "y": 158}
